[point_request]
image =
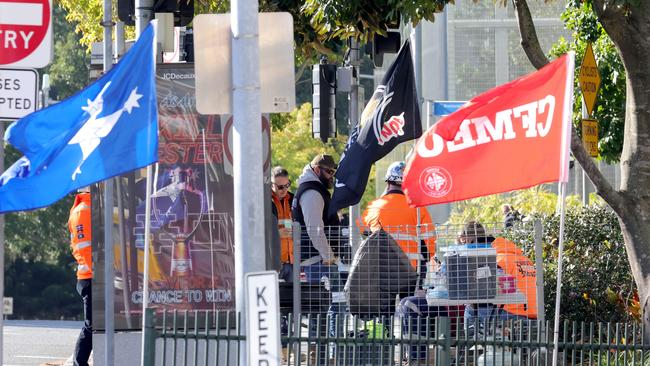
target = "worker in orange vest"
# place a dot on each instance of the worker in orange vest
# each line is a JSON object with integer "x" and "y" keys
{"x": 392, "y": 213}
{"x": 79, "y": 224}
{"x": 281, "y": 209}
{"x": 514, "y": 263}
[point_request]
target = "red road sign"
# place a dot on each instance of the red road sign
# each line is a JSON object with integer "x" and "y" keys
{"x": 25, "y": 33}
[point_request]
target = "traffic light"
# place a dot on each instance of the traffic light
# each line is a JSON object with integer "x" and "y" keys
{"x": 183, "y": 10}
{"x": 388, "y": 44}
{"x": 324, "y": 101}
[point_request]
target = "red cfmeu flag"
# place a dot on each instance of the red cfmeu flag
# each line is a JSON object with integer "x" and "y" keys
{"x": 514, "y": 136}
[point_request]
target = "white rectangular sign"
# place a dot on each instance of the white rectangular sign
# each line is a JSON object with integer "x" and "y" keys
{"x": 18, "y": 93}
{"x": 213, "y": 62}
{"x": 263, "y": 319}
{"x": 8, "y": 306}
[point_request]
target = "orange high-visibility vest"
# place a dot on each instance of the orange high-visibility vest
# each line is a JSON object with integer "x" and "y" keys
{"x": 283, "y": 210}
{"x": 396, "y": 217}
{"x": 80, "y": 228}
{"x": 514, "y": 263}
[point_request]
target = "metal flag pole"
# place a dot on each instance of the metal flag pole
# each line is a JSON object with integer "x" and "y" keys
{"x": 109, "y": 303}
{"x": 558, "y": 286}
{"x": 247, "y": 151}
{"x": 417, "y": 71}
{"x": 143, "y": 10}
{"x": 353, "y": 232}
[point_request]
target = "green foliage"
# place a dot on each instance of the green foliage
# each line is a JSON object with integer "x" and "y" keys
{"x": 69, "y": 69}
{"x": 610, "y": 105}
{"x": 42, "y": 290}
{"x": 597, "y": 280}
{"x": 488, "y": 209}
{"x": 361, "y": 19}
{"x": 293, "y": 147}
{"x": 597, "y": 283}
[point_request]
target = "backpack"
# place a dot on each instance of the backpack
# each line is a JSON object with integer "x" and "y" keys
{"x": 380, "y": 270}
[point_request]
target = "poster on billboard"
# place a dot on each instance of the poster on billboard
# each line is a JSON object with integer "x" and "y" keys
{"x": 192, "y": 245}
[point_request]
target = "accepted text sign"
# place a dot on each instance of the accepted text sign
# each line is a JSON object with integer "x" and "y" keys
{"x": 25, "y": 33}
{"x": 18, "y": 92}
{"x": 263, "y": 319}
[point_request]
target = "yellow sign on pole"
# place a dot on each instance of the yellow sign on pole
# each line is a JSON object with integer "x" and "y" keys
{"x": 589, "y": 79}
{"x": 590, "y": 136}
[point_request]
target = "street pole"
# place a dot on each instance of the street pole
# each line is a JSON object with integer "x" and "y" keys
{"x": 247, "y": 154}
{"x": 585, "y": 180}
{"x": 2, "y": 244}
{"x": 109, "y": 303}
{"x": 143, "y": 13}
{"x": 355, "y": 236}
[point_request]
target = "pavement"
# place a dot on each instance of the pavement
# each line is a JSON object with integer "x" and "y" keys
{"x": 67, "y": 362}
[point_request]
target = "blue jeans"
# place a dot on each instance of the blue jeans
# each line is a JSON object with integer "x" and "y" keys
{"x": 483, "y": 316}
{"x": 413, "y": 312}
{"x": 332, "y": 324}
{"x": 286, "y": 272}
{"x": 319, "y": 273}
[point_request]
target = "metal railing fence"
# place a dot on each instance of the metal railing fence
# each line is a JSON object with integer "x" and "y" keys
{"x": 214, "y": 338}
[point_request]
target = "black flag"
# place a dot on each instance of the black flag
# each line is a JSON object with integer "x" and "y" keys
{"x": 391, "y": 117}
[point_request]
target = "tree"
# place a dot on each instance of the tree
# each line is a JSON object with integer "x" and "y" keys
{"x": 627, "y": 23}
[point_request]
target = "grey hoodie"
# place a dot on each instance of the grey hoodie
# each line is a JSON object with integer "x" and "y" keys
{"x": 312, "y": 205}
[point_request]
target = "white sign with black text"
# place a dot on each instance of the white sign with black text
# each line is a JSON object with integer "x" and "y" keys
{"x": 18, "y": 93}
{"x": 263, "y": 319}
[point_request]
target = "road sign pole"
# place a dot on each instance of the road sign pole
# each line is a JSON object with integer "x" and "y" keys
{"x": 585, "y": 196}
{"x": 247, "y": 152}
{"x": 2, "y": 245}
{"x": 109, "y": 303}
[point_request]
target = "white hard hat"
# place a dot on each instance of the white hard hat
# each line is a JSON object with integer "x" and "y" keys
{"x": 395, "y": 172}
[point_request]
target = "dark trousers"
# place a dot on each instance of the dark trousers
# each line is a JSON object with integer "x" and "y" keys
{"x": 85, "y": 341}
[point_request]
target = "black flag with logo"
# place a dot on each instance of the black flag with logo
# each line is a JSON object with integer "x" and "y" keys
{"x": 391, "y": 117}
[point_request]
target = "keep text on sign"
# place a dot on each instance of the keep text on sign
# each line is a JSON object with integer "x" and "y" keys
{"x": 263, "y": 319}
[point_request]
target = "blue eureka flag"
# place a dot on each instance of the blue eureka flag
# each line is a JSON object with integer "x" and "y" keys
{"x": 107, "y": 129}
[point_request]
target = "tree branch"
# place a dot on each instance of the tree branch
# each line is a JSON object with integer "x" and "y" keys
{"x": 529, "y": 41}
{"x": 603, "y": 187}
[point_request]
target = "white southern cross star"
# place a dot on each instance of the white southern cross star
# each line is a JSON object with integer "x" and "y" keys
{"x": 90, "y": 134}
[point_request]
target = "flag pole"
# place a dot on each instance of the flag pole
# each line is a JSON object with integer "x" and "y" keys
{"x": 417, "y": 73}
{"x": 143, "y": 11}
{"x": 558, "y": 286}
{"x": 354, "y": 210}
{"x": 109, "y": 273}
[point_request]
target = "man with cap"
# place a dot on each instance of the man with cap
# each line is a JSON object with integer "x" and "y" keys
{"x": 392, "y": 213}
{"x": 310, "y": 208}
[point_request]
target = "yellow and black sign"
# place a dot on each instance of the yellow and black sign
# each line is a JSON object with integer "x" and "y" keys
{"x": 589, "y": 79}
{"x": 590, "y": 136}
